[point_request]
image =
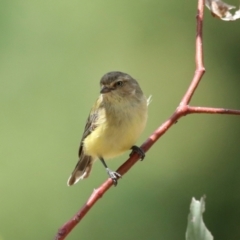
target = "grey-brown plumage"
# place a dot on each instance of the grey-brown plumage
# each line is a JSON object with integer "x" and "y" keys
{"x": 114, "y": 124}
{"x": 84, "y": 164}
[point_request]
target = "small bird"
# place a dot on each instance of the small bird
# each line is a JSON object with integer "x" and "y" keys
{"x": 114, "y": 124}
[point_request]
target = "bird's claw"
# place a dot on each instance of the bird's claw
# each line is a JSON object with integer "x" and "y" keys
{"x": 114, "y": 176}
{"x": 139, "y": 151}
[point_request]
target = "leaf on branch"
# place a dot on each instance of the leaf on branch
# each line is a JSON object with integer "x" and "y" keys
{"x": 221, "y": 9}
{"x": 196, "y": 229}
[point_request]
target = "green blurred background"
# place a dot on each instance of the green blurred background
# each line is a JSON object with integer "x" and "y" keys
{"x": 52, "y": 56}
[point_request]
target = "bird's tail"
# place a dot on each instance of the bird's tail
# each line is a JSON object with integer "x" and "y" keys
{"x": 82, "y": 170}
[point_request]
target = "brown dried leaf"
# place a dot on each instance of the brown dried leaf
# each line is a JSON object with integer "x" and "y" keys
{"x": 221, "y": 9}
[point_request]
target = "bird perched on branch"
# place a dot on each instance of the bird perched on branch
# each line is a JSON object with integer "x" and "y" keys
{"x": 114, "y": 124}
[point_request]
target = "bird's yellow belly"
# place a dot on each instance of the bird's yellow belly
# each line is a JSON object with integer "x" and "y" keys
{"x": 109, "y": 142}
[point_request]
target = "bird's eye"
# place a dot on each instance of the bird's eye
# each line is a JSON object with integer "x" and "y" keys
{"x": 119, "y": 84}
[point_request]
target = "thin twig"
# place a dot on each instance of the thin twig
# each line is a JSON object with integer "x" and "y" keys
{"x": 210, "y": 110}
{"x": 182, "y": 110}
{"x": 200, "y": 70}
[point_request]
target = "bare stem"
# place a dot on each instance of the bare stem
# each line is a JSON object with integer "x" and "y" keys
{"x": 210, "y": 110}
{"x": 200, "y": 70}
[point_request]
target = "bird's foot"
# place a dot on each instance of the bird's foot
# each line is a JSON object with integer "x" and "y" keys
{"x": 114, "y": 176}
{"x": 139, "y": 151}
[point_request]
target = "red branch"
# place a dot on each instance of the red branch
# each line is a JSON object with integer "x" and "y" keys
{"x": 182, "y": 110}
{"x": 200, "y": 70}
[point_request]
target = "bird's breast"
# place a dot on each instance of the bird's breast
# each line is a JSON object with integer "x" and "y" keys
{"x": 117, "y": 132}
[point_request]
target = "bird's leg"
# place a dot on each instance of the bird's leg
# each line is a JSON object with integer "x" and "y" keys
{"x": 113, "y": 175}
{"x": 139, "y": 151}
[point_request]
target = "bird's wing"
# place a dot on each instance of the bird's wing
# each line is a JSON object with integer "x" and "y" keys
{"x": 84, "y": 164}
{"x": 89, "y": 127}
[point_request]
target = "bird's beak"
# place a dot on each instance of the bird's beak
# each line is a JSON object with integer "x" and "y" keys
{"x": 105, "y": 89}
